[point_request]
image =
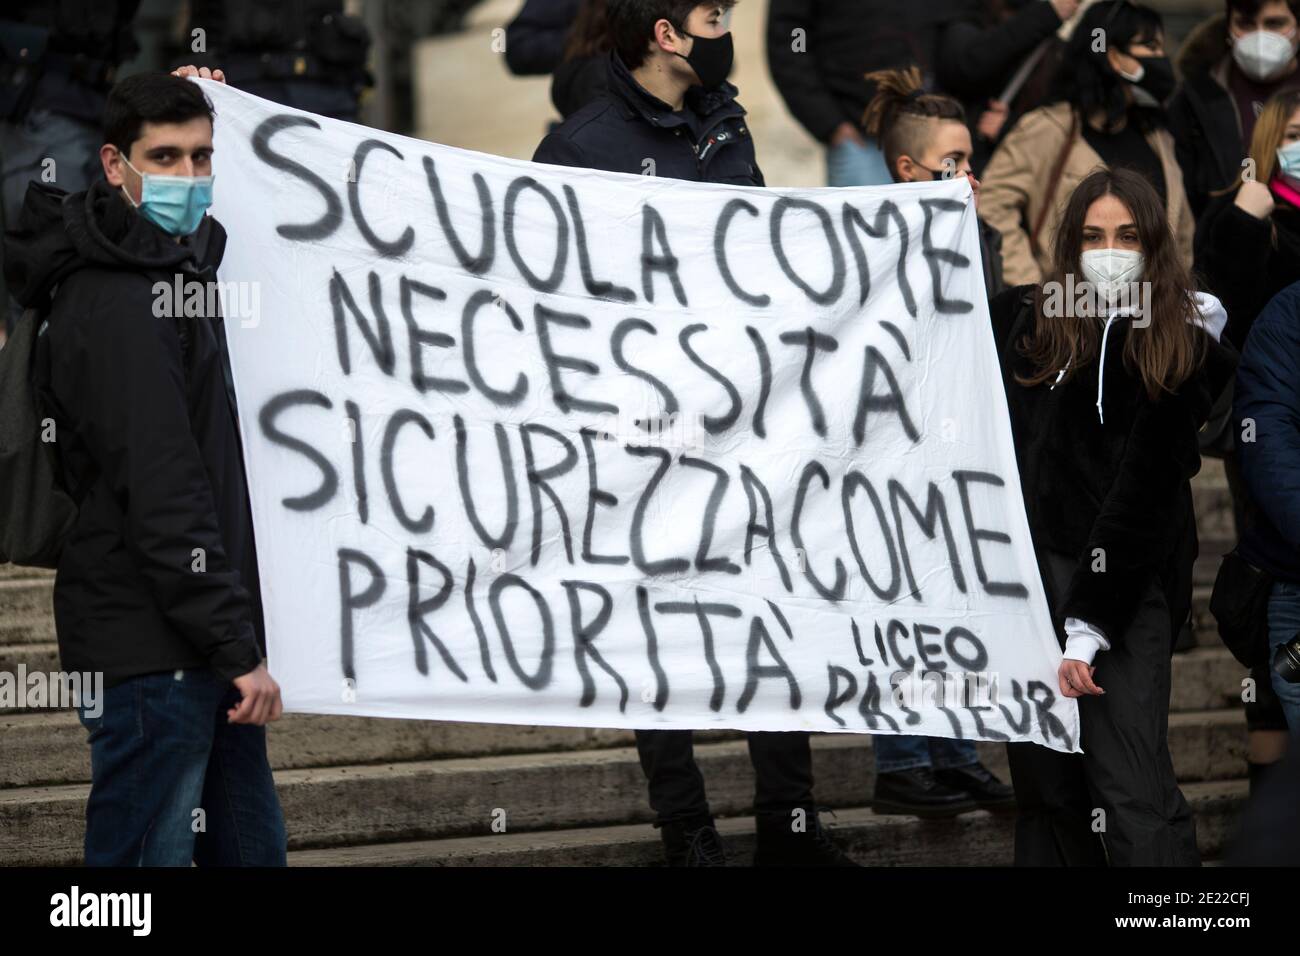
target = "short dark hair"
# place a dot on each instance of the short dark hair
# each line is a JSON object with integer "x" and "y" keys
{"x": 150, "y": 98}
{"x": 1251, "y": 8}
{"x": 899, "y": 113}
{"x": 632, "y": 23}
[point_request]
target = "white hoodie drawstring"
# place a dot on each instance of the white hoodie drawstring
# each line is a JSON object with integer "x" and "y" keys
{"x": 1101, "y": 366}
{"x": 1210, "y": 316}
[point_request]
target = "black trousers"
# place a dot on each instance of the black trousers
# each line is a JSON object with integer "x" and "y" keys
{"x": 1118, "y": 801}
{"x": 782, "y": 771}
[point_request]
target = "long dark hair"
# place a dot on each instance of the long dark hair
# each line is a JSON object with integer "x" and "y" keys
{"x": 1084, "y": 78}
{"x": 589, "y": 34}
{"x": 1166, "y": 352}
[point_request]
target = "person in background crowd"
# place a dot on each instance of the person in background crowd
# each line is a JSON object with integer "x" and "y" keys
{"x": 1104, "y": 416}
{"x": 307, "y": 54}
{"x": 980, "y": 55}
{"x": 536, "y": 38}
{"x": 669, "y": 101}
{"x": 580, "y": 77}
{"x": 1268, "y": 394}
{"x": 924, "y": 137}
{"x": 1106, "y": 112}
{"x": 1247, "y": 251}
{"x": 819, "y": 51}
{"x": 1231, "y": 65}
{"x": 568, "y": 39}
{"x": 1248, "y": 239}
{"x": 148, "y": 435}
{"x": 58, "y": 59}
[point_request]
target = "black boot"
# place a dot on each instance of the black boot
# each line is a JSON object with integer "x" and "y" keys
{"x": 987, "y": 790}
{"x": 917, "y": 792}
{"x": 787, "y": 840}
{"x": 692, "y": 842}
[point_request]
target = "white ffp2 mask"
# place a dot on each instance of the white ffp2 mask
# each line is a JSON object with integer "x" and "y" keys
{"x": 1111, "y": 271}
{"x": 1263, "y": 54}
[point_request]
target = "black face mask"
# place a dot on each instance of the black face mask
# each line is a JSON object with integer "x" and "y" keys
{"x": 1157, "y": 77}
{"x": 710, "y": 58}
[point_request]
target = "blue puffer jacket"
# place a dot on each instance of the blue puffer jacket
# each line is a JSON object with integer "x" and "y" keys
{"x": 1268, "y": 400}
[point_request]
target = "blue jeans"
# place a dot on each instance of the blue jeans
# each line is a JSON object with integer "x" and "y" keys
{"x": 906, "y": 752}
{"x": 856, "y": 164}
{"x": 1283, "y": 624}
{"x": 173, "y": 782}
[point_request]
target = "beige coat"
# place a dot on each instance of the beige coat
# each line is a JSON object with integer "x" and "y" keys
{"x": 1015, "y": 187}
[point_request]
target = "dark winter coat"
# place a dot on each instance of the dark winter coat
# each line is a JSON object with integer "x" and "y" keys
{"x": 1246, "y": 261}
{"x": 1116, "y": 492}
{"x": 159, "y": 572}
{"x": 707, "y": 141}
{"x": 535, "y": 38}
{"x": 1267, "y": 397}
{"x": 1203, "y": 116}
{"x": 819, "y": 50}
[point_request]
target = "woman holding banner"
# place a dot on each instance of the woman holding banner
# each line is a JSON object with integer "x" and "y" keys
{"x": 1109, "y": 374}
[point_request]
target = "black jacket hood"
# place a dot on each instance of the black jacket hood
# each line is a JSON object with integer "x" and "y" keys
{"x": 58, "y": 233}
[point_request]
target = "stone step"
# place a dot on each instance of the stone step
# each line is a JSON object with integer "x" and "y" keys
{"x": 1213, "y": 505}
{"x": 49, "y": 748}
{"x": 12, "y": 571}
{"x": 417, "y": 800}
{"x": 1205, "y": 678}
{"x": 972, "y": 839}
{"x": 26, "y": 614}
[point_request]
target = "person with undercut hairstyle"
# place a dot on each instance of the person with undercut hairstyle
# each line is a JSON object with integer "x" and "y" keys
{"x": 924, "y": 137}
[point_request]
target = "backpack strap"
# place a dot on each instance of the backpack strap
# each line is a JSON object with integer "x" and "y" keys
{"x": 1054, "y": 180}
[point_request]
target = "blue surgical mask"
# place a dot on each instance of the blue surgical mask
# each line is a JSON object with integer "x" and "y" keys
{"x": 1288, "y": 158}
{"x": 175, "y": 204}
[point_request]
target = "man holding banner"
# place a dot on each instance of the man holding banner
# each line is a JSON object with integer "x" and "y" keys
{"x": 667, "y": 89}
{"x": 157, "y": 581}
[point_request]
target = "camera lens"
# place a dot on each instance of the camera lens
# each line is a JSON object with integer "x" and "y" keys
{"x": 1286, "y": 662}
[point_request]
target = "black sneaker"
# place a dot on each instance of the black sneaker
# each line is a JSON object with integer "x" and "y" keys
{"x": 918, "y": 793}
{"x": 781, "y": 844}
{"x": 978, "y": 781}
{"x": 693, "y": 843}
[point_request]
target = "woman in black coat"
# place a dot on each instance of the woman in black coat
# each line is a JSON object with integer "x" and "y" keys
{"x": 1108, "y": 377}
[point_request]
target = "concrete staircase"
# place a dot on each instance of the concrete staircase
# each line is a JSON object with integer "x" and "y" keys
{"x": 405, "y": 793}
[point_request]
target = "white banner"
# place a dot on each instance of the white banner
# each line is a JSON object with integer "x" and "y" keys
{"x": 549, "y": 446}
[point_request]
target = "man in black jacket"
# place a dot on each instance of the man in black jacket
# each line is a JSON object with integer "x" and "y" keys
{"x": 157, "y": 584}
{"x": 670, "y": 113}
